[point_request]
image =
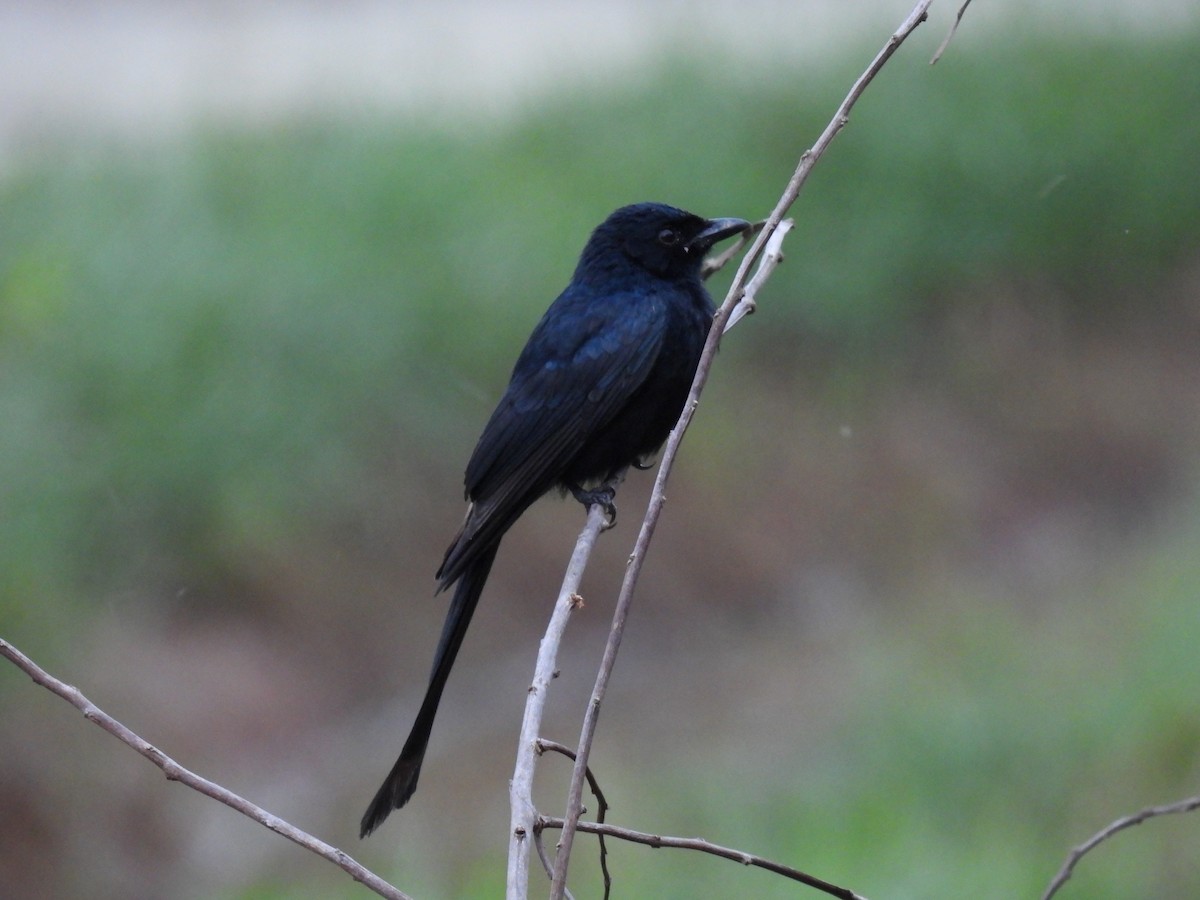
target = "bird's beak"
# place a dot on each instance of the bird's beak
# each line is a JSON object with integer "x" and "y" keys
{"x": 716, "y": 230}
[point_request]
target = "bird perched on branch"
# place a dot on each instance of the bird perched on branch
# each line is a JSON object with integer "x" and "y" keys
{"x": 598, "y": 387}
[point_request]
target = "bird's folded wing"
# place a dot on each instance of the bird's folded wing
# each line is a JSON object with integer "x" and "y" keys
{"x": 569, "y": 383}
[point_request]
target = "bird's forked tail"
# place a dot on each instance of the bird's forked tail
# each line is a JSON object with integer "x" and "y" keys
{"x": 402, "y": 780}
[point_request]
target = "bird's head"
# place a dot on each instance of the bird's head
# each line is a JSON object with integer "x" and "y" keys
{"x": 666, "y": 241}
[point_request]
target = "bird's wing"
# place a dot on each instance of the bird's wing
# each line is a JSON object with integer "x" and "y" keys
{"x": 579, "y": 369}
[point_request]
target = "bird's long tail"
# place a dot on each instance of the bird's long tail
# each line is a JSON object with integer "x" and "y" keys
{"x": 402, "y": 780}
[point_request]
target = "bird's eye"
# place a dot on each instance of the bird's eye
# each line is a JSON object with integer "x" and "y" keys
{"x": 668, "y": 237}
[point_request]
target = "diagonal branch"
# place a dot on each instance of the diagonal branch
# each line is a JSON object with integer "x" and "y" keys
{"x": 962, "y": 11}
{"x": 601, "y": 810}
{"x": 176, "y": 772}
{"x": 772, "y": 256}
{"x": 624, "y": 600}
{"x": 1150, "y": 812}
{"x": 520, "y": 793}
{"x": 746, "y": 859}
{"x": 714, "y": 264}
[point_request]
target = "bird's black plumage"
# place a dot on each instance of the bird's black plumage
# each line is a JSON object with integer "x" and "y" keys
{"x": 598, "y": 387}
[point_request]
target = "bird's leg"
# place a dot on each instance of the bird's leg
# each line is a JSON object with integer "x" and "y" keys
{"x": 601, "y": 496}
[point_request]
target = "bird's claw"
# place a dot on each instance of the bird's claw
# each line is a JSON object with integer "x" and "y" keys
{"x": 603, "y": 497}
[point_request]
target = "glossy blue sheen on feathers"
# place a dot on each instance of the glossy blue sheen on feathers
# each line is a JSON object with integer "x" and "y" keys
{"x": 598, "y": 387}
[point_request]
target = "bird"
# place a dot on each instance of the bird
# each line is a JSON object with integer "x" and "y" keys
{"x": 600, "y": 383}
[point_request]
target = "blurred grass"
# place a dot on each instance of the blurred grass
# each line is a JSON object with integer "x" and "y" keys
{"x": 211, "y": 352}
{"x": 202, "y": 343}
{"x": 948, "y": 747}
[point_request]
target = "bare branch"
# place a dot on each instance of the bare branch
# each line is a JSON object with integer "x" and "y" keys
{"x": 1150, "y": 812}
{"x": 601, "y": 801}
{"x": 540, "y": 844}
{"x": 176, "y": 772}
{"x": 601, "y": 808}
{"x": 772, "y": 256}
{"x": 541, "y": 852}
{"x": 714, "y": 264}
{"x": 746, "y": 859}
{"x": 520, "y": 792}
{"x": 950, "y": 35}
{"x": 658, "y": 496}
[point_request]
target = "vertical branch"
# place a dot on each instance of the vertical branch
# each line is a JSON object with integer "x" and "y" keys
{"x": 624, "y": 600}
{"x": 520, "y": 792}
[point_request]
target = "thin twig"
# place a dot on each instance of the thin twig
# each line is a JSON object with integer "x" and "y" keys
{"x": 540, "y": 844}
{"x": 520, "y": 792}
{"x": 1150, "y": 812}
{"x": 601, "y": 806}
{"x": 772, "y": 256}
{"x": 658, "y": 496}
{"x": 714, "y": 264}
{"x": 541, "y": 852}
{"x": 176, "y": 772}
{"x": 601, "y": 800}
{"x": 746, "y": 859}
{"x": 950, "y": 35}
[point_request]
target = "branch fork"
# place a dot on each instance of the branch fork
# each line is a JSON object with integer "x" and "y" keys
{"x": 766, "y": 243}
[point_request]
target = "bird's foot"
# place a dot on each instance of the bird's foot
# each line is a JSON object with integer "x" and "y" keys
{"x": 602, "y": 496}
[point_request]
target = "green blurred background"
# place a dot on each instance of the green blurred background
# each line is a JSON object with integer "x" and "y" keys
{"x": 922, "y": 610}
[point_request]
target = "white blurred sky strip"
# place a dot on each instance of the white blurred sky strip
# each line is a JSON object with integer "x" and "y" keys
{"x": 153, "y": 68}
